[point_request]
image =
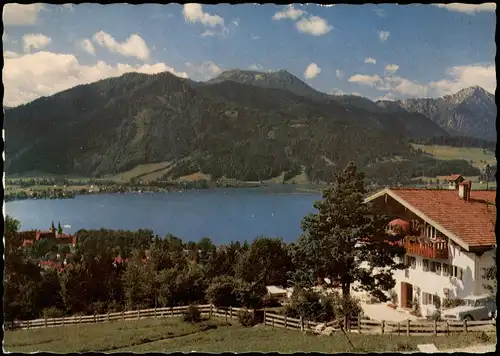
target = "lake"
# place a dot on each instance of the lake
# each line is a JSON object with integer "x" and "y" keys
{"x": 221, "y": 214}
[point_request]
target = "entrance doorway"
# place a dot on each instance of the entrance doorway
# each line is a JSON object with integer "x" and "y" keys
{"x": 406, "y": 295}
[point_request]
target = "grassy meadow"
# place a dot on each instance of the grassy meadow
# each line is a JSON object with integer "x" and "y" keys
{"x": 478, "y": 156}
{"x": 172, "y": 334}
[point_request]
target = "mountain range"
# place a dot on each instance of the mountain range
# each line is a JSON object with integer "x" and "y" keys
{"x": 242, "y": 124}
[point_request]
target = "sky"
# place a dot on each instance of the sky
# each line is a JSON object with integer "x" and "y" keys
{"x": 384, "y": 51}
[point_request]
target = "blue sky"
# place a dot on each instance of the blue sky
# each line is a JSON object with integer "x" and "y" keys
{"x": 377, "y": 51}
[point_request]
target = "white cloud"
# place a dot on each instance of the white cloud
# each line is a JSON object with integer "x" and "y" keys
{"x": 204, "y": 71}
{"x": 194, "y": 13}
{"x": 257, "y": 67}
{"x": 312, "y": 71}
{"x": 134, "y": 46}
{"x": 10, "y": 54}
{"x": 392, "y": 68}
{"x": 314, "y": 25}
{"x": 289, "y": 13}
{"x": 383, "y": 35}
{"x": 255, "y": 38}
{"x": 469, "y": 8}
{"x": 457, "y": 78}
{"x": 387, "y": 97}
{"x": 235, "y": 22}
{"x": 461, "y": 77}
{"x": 35, "y": 41}
{"x": 87, "y": 46}
{"x": 370, "y": 80}
{"x": 380, "y": 12}
{"x": 31, "y": 76}
{"x": 370, "y": 60}
{"x": 21, "y": 15}
{"x": 69, "y": 7}
{"x": 339, "y": 74}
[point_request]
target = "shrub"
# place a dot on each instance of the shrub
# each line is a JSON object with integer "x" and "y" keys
{"x": 52, "y": 312}
{"x": 192, "y": 315}
{"x": 270, "y": 301}
{"x": 393, "y": 297}
{"x": 223, "y": 291}
{"x": 451, "y": 303}
{"x": 250, "y": 295}
{"x": 310, "y": 305}
{"x": 246, "y": 318}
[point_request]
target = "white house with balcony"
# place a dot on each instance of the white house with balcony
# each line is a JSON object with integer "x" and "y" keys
{"x": 449, "y": 240}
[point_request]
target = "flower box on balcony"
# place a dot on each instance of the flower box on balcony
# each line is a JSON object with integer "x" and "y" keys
{"x": 428, "y": 249}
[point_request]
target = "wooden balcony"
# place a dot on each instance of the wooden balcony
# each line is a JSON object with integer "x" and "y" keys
{"x": 434, "y": 250}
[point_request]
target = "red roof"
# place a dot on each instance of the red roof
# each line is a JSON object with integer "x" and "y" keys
{"x": 472, "y": 221}
{"x": 453, "y": 177}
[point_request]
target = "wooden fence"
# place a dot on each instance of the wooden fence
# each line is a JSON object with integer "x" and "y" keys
{"x": 368, "y": 326}
{"x": 359, "y": 325}
{"x": 229, "y": 313}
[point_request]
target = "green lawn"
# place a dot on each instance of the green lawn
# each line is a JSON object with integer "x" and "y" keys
{"x": 478, "y": 156}
{"x": 172, "y": 334}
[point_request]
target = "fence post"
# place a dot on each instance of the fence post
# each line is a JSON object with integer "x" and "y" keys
{"x": 272, "y": 322}
{"x": 171, "y": 311}
{"x": 435, "y": 327}
{"x": 95, "y": 317}
{"x": 155, "y": 311}
{"x": 301, "y": 324}
{"x": 80, "y": 319}
{"x": 447, "y": 327}
{"x": 45, "y": 321}
{"x": 63, "y": 320}
{"x": 108, "y": 316}
{"x": 264, "y": 317}
{"x": 225, "y": 314}
{"x": 399, "y": 328}
{"x": 465, "y": 326}
{"x": 138, "y": 314}
{"x": 408, "y": 327}
{"x": 123, "y": 315}
{"x": 230, "y": 313}
{"x": 382, "y": 327}
{"x": 28, "y": 324}
{"x": 359, "y": 323}
{"x": 285, "y": 322}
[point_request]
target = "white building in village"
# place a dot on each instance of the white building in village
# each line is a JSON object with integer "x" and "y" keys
{"x": 450, "y": 239}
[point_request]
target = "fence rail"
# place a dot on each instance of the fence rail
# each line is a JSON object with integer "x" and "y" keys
{"x": 359, "y": 325}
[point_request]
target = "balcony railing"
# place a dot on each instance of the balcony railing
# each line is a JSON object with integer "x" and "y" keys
{"x": 435, "y": 250}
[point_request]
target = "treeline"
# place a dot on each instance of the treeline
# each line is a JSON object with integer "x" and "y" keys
{"x": 456, "y": 141}
{"x": 403, "y": 171}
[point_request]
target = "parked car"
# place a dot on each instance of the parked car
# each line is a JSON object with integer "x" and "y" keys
{"x": 472, "y": 308}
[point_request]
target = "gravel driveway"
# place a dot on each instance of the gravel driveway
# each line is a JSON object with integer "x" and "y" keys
{"x": 381, "y": 311}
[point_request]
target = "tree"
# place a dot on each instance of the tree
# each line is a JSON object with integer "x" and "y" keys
{"x": 52, "y": 226}
{"x": 346, "y": 240}
{"x": 266, "y": 261}
{"x": 490, "y": 274}
{"x": 59, "y": 228}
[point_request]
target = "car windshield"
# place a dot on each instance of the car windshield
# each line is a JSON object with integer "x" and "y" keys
{"x": 469, "y": 302}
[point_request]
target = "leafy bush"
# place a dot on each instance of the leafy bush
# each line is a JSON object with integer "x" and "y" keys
{"x": 193, "y": 314}
{"x": 451, "y": 303}
{"x": 270, "y": 301}
{"x": 52, "y": 312}
{"x": 393, "y": 297}
{"x": 246, "y": 318}
{"x": 310, "y": 305}
{"x": 223, "y": 291}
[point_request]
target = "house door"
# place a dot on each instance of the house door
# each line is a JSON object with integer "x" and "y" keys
{"x": 406, "y": 294}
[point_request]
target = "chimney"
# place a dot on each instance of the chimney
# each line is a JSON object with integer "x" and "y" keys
{"x": 464, "y": 190}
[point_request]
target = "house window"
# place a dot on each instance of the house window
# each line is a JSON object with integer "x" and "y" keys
{"x": 425, "y": 265}
{"x": 445, "y": 270}
{"x": 457, "y": 272}
{"x": 437, "y": 267}
{"x": 432, "y": 267}
{"x": 411, "y": 261}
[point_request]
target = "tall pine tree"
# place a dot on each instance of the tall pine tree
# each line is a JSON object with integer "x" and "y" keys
{"x": 346, "y": 241}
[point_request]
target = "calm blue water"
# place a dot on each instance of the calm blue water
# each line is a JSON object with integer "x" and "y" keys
{"x": 221, "y": 214}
